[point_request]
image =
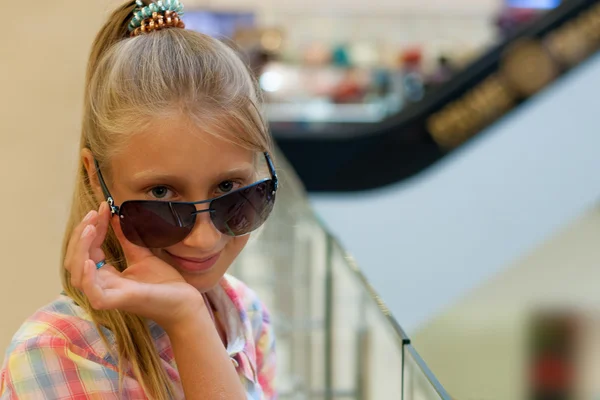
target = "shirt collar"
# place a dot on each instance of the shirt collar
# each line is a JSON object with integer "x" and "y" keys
{"x": 229, "y": 302}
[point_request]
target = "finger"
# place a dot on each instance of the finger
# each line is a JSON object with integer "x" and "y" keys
{"x": 96, "y": 252}
{"x": 133, "y": 253}
{"x": 107, "y": 270}
{"x": 90, "y": 286}
{"x": 90, "y": 218}
{"x": 102, "y": 297}
{"x": 80, "y": 254}
{"x": 107, "y": 276}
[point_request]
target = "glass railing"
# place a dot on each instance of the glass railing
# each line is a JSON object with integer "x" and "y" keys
{"x": 335, "y": 337}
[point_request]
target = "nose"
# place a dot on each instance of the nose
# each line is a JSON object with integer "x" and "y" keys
{"x": 204, "y": 236}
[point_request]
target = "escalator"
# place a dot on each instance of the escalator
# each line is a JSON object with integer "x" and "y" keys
{"x": 449, "y": 214}
{"x": 369, "y": 156}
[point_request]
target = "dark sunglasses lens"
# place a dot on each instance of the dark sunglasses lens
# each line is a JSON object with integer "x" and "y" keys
{"x": 243, "y": 211}
{"x": 156, "y": 224}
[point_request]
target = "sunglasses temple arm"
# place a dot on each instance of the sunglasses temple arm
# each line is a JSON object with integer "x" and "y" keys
{"x": 107, "y": 195}
{"x": 272, "y": 170}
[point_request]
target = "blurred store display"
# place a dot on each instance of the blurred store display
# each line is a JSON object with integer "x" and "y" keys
{"x": 349, "y": 82}
{"x": 412, "y": 98}
{"x": 562, "y": 354}
{"x": 517, "y": 13}
{"x": 450, "y": 113}
{"x": 553, "y": 342}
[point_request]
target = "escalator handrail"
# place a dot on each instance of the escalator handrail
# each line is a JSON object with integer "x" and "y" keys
{"x": 459, "y": 84}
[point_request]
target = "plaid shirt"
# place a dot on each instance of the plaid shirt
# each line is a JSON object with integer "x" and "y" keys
{"x": 58, "y": 353}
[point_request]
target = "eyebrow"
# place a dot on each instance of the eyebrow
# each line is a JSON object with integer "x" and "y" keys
{"x": 244, "y": 171}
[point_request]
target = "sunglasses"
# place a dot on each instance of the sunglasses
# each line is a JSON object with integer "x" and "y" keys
{"x": 159, "y": 224}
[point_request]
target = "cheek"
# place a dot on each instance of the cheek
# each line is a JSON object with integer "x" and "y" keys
{"x": 236, "y": 245}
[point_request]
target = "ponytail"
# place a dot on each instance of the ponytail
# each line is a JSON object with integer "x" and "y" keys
{"x": 135, "y": 349}
{"x": 113, "y": 31}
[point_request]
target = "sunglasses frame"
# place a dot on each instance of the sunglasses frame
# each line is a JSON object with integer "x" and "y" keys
{"x": 115, "y": 210}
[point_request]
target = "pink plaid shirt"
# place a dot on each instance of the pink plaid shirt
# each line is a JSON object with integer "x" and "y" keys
{"x": 58, "y": 353}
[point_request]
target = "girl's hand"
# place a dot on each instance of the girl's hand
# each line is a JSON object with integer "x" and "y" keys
{"x": 148, "y": 287}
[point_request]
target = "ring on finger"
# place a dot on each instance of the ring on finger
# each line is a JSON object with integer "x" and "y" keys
{"x": 100, "y": 264}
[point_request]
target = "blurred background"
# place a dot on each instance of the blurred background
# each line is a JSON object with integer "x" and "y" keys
{"x": 438, "y": 233}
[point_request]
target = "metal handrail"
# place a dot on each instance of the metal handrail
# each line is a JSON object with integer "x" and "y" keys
{"x": 437, "y": 386}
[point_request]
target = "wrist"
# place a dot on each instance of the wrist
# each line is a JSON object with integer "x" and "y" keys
{"x": 192, "y": 315}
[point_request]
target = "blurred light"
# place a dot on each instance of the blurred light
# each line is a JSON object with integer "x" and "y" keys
{"x": 317, "y": 54}
{"x": 218, "y": 24}
{"x": 271, "y": 81}
{"x": 271, "y": 40}
{"x": 364, "y": 54}
{"x": 539, "y": 4}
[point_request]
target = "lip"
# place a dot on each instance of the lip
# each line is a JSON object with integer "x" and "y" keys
{"x": 195, "y": 265}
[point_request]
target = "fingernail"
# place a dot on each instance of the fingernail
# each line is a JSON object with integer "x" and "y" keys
{"x": 103, "y": 206}
{"x": 86, "y": 231}
{"x": 88, "y": 216}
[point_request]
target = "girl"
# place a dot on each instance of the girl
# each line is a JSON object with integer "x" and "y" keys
{"x": 170, "y": 118}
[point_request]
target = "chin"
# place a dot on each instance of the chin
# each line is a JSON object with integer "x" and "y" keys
{"x": 203, "y": 280}
{"x": 203, "y": 283}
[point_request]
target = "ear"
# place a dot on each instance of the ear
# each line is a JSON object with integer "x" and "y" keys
{"x": 88, "y": 162}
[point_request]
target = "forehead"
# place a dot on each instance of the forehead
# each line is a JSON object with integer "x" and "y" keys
{"x": 179, "y": 147}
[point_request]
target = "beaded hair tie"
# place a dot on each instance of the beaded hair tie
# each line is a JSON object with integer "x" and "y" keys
{"x": 156, "y": 16}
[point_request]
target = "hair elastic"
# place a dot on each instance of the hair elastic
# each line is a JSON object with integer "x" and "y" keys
{"x": 158, "y": 15}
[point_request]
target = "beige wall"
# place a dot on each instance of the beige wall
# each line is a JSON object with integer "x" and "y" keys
{"x": 42, "y": 64}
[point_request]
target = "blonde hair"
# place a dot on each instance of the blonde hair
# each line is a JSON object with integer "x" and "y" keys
{"x": 131, "y": 81}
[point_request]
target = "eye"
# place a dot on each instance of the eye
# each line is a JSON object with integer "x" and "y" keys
{"x": 226, "y": 186}
{"x": 159, "y": 192}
